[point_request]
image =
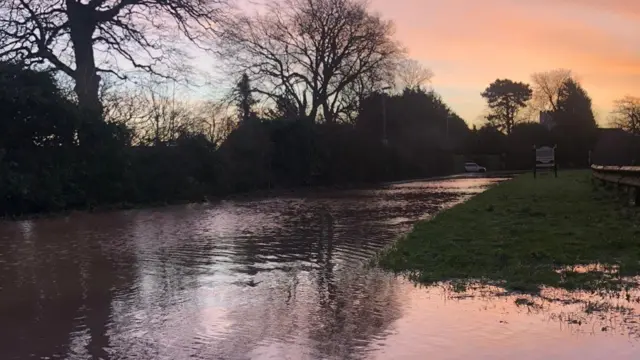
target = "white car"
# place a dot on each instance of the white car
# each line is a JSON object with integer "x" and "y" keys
{"x": 473, "y": 167}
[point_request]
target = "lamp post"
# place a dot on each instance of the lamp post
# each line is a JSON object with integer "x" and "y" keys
{"x": 447, "y": 133}
{"x": 385, "y": 141}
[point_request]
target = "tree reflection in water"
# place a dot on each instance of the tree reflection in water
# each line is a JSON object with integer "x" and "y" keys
{"x": 57, "y": 282}
{"x": 281, "y": 277}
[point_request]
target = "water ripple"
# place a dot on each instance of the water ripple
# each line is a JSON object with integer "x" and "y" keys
{"x": 276, "y": 278}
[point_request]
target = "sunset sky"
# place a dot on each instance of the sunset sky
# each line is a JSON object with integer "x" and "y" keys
{"x": 470, "y": 43}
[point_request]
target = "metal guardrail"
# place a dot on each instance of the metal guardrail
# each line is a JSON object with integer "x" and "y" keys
{"x": 624, "y": 177}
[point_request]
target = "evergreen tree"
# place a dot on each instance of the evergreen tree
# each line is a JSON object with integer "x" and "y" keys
{"x": 505, "y": 98}
{"x": 244, "y": 99}
{"x": 576, "y": 129}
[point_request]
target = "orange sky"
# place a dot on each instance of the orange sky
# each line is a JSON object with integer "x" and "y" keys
{"x": 470, "y": 43}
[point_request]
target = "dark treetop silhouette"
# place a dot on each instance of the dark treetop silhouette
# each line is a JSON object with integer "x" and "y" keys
{"x": 309, "y": 105}
{"x": 65, "y": 36}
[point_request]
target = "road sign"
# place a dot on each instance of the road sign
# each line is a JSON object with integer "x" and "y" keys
{"x": 545, "y": 158}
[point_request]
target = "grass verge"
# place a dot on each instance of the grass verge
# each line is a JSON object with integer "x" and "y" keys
{"x": 527, "y": 233}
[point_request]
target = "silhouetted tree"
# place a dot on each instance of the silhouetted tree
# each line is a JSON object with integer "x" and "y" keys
{"x": 27, "y": 97}
{"x": 528, "y": 134}
{"x": 574, "y": 107}
{"x": 122, "y": 106}
{"x": 43, "y": 165}
{"x": 486, "y": 140}
{"x": 284, "y": 108}
{"x": 37, "y": 135}
{"x": 421, "y": 130}
{"x": 521, "y": 141}
{"x": 505, "y": 98}
{"x": 70, "y": 36}
{"x": 411, "y": 74}
{"x": 244, "y": 98}
{"x": 413, "y": 117}
{"x": 546, "y": 88}
{"x": 626, "y": 114}
{"x": 576, "y": 129}
{"x": 312, "y": 52}
{"x": 155, "y": 114}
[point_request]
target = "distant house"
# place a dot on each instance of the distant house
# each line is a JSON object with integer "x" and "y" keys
{"x": 546, "y": 119}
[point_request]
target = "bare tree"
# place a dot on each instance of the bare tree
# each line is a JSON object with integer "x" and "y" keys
{"x": 626, "y": 114}
{"x": 546, "y": 88}
{"x": 312, "y": 52}
{"x": 83, "y": 38}
{"x": 159, "y": 113}
{"x": 120, "y": 104}
{"x": 215, "y": 120}
{"x": 167, "y": 116}
{"x": 411, "y": 74}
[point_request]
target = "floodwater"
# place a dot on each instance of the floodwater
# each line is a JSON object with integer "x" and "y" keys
{"x": 279, "y": 278}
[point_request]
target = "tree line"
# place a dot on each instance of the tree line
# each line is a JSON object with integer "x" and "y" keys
{"x": 555, "y": 110}
{"x": 565, "y": 115}
{"x": 311, "y": 79}
{"x": 323, "y": 95}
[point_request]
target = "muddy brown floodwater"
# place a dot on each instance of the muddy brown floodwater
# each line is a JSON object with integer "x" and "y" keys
{"x": 279, "y": 278}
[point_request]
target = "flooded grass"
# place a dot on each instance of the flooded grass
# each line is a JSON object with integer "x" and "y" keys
{"x": 527, "y": 234}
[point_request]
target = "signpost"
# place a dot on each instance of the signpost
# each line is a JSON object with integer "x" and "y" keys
{"x": 545, "y": 159}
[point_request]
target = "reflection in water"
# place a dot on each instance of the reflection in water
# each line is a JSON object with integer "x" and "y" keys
{"x": 273, "y": 278}
{"x": 439, "y": 322}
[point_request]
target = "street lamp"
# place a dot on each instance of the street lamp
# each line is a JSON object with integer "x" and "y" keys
{"x": 385, "y": 141}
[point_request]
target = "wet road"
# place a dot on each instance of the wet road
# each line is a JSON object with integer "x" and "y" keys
{"x": 281, "y": 278}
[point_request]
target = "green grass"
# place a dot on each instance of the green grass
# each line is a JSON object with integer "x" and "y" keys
{"x": 527, "y": 233}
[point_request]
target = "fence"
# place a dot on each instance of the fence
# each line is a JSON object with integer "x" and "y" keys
{"x": 626, "y": 178}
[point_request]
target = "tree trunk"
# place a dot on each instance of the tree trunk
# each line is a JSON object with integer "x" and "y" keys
{"x": 329, "y": 116}
{"x": 87, "y": 82}
{"x": 86, "y": 77}
{"x": 313, "y": 113}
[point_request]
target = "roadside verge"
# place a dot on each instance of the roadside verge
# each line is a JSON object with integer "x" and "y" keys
{"x": 525, "y": 234}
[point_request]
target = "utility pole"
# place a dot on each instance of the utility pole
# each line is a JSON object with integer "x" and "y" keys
{"x": 385, "y": 140}
{"x": 447, "y": 135}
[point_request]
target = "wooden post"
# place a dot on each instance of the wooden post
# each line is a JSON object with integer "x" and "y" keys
{"x": 535, "y": 162}
{"x": 634, "y": 196}
{"x": 555, "y": 158}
